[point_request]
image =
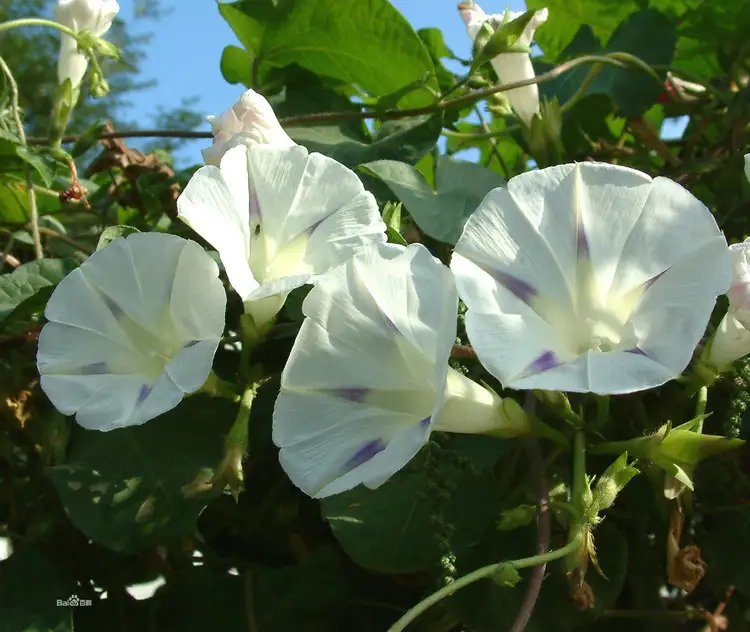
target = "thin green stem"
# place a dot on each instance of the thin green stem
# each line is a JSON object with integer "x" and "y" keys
{"x": 624, "y": 61}
{"x": 579, "y": 470}
{"x": 480, "y": 573}
{"x": 12, "y": 24}
{"x": 582, "y": 88}
{"x": 33, "y": 211}
{"x": 572, "y": 547}
{"x": 700, "y": 407}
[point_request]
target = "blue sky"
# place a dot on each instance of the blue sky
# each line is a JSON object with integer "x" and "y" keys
{"x": 186, "y": 48}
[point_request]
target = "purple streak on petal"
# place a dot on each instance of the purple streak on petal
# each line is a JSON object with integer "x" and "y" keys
{"x": 425, "y": 422}
{"x": 311, "y": 229}
{"x": 365, "y": 453}
{"x": 582, "y": 241}
{"x": 355, "y": 394}
{"x": 144, "y": 392}
{"x": 96, "y": 368}
{"x": 519, "y": 288}
{"x": 637, "y": 351}
{"x": 192, "y": 343}
{"x": 544, "y": 362}
{"x": 654, "y": 279}
{"x": 113, "y": 307}
{"x": 254, "y": 210}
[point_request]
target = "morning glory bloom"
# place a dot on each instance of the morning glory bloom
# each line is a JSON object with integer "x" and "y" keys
{"x": 589, "y": 278}
{"x": 368, "y": 377}
{"x": 278, "y": 217}
{"x": 732, "y": 338}
{"x": 132, "y": 330}
{"x": 509, "y": 67}
{"x": 250, "y": 121}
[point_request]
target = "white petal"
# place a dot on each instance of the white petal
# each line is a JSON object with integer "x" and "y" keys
{"x": 747, "y": 166}
{"x": 610, "y": 200}
{"x": 671, "y": 223}
{"x": 525, "y": 238}
{"x": 296, "y": 191}
{"x": 473, "y": 16}
{"x": 137, "y": 275}
{"x": 216, "y": 205}
{"x": 344, "y": 456}
{"x": 353, "y": 226}
{"x": 163, "y": 396}
{"x": 101, "y": 402}
{"x": 70, "y": 350}
{"x": 198, "y": 300}
{"x": 75, "y": 302}
{"x": 731, "y": 342}
{"x": 512, "y": 67}
{"x": 71, "y": 64}
{"x": 672, "y": 315}
{"x": 189, "y": 368}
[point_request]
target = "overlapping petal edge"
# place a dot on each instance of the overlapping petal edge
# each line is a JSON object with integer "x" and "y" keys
{"x": 367, "y": 371}
{"x": 589, "y": 278}
{"x": 132, "y": 330}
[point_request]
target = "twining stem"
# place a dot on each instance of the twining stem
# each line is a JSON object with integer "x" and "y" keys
{"x": 481, "y": 573}
{"x": 572, "y": 547}
{"x": 12, "y": 24}
{"x": 27, "y": 172}
{"x": 624, "y": 61}
{"x": 700, "y": 407}
{"x": 543, "y": 525}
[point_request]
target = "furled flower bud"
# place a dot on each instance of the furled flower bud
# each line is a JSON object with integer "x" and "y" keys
{"x": 94, "y": 16}
{"x": 510, "y": 67}
{"x": 250, "y": 121}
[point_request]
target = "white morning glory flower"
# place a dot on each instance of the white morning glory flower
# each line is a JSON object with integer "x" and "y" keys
{"x": 132, "y": 330}
{"x": 589, "y": 277}
{"x": 95, "y": 16}
{"x": 510, "y": 67}
{"x": 368, "y": 377}
{"x": 732, "y": 338}
{"x": 278, "y": 217}
{"x": 250, "y": 121}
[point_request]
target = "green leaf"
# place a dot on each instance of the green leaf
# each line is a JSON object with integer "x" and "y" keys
{"x": 125, "y": 488}
{"x": 367, "y": 43}
{"x": 14, "y": 203}
{"x": 88, "y": 139}
{"x": 306, "y": 597}
{"x": 348, "y": 140}
{"x": 407, "y": 140}
{"x": 26, "y": 280}
{"x": 461, "y": 186}
{"x": 567, "y": 16}
{"x": 114, "y": 232}
{"x": 37, "y": 163}
{"x": 237, "y": 65}
{"x": 390, "y": 529}
{"x": 183, "y": 603}
{"x": 392, "y": 219}
{"x": 648, "y": 35}
{"x": 610, "y": 484}
{"x": 29, "y": 589}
